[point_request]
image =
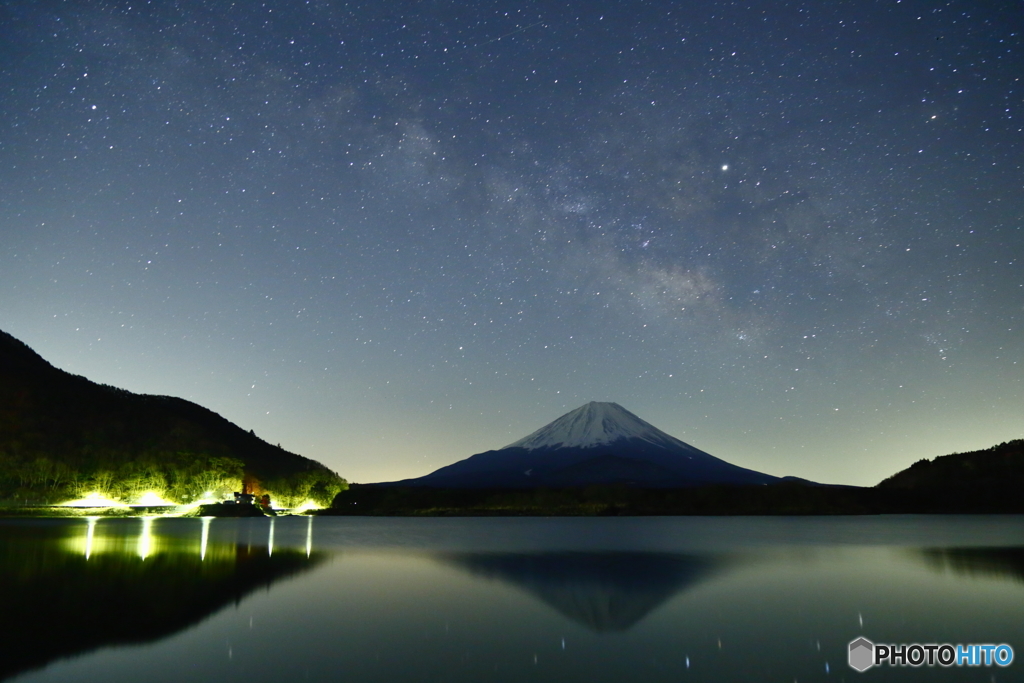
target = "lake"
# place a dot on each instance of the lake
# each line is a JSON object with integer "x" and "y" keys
{"x": 503, "y": 599}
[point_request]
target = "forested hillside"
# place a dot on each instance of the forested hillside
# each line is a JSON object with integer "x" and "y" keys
{"x": 63, "y": 437}
{"x": 997, "y": 468}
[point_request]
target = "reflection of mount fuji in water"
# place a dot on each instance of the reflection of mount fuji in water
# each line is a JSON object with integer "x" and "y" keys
{"x": 73, "y": 586}
{"x": 603, "y": 591}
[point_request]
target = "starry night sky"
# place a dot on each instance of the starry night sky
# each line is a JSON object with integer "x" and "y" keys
{"x": 389, "y": 235}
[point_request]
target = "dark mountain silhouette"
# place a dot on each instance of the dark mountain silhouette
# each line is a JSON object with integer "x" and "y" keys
{"x": 985, "y": 481}
{"x": 596, "y": 444}
{"x": 62, "y": 435}
{"x": 995, "y": 467}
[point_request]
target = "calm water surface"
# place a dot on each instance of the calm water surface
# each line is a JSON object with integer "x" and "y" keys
{"x": 596, "y": 599}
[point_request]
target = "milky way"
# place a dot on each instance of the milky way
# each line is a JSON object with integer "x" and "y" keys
{"x": 391, "y": 235}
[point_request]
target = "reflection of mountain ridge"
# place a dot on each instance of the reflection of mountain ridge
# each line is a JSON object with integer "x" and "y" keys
{"x": 58, "y": 604}
{"x": 1000, "y": 563}
{"x": 604, "y": 591}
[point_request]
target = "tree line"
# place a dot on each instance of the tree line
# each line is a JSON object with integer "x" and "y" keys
{"x": 181, "y": 477}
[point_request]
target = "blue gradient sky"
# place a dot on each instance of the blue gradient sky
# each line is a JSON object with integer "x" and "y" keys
{"x": 391, "y": 235}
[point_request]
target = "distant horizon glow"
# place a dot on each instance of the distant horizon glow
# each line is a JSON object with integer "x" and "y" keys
{"x": 387, "y": 240}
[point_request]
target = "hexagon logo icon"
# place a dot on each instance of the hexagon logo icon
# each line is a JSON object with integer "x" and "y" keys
{"x": 862, "y": 654}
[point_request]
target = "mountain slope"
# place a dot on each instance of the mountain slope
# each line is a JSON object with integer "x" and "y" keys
{"x": 62, "y": 435}
{"x": 998, "y": 468}
{"x": 598, "y": 443}
{"x": 595, "y": 424}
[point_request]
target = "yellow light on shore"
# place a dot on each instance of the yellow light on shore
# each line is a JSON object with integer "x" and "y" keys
{"x": 152, "y": 499}
{"x": 93, "y": 500}
{"x": 305, "y": 507}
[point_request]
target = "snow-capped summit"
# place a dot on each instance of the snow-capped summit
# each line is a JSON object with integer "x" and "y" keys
{"x": 594, "y": 424}
{"x": 599, "y": 443}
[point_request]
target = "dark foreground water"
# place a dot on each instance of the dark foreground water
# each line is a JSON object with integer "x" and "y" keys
{"x": 596, "y": 599}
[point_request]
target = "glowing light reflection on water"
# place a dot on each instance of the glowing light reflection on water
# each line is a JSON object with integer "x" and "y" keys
{"x": 205, "y": 537}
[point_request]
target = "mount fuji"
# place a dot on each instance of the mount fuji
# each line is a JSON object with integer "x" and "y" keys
{"x": 598, "y": 443}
